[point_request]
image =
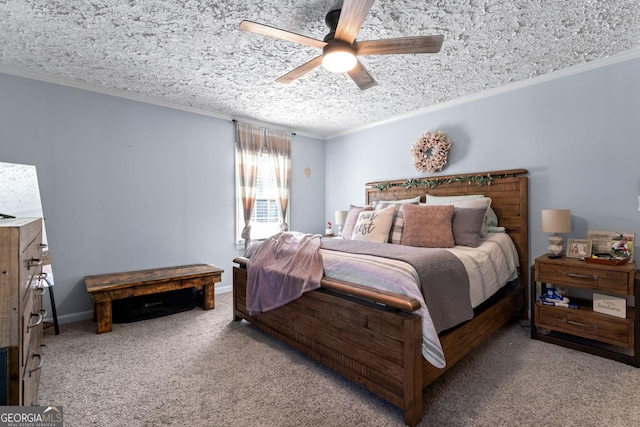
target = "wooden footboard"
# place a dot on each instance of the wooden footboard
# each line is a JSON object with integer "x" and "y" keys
{"x": 375, "y": 346}
{"x": 372, "y": 344}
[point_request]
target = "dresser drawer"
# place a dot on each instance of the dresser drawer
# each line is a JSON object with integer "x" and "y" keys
{"x": 31, "y": 377}
{"x": 586, "y": 323}
{"x": 30, "y": 265}
{"x": 32, "y": 325}
{"x": 585, "y": 276}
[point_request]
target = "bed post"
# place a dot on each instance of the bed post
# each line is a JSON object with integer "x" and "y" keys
{"x": 412, "y": 396}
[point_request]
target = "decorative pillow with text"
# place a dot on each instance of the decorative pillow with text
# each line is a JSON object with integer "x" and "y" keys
{"x": 352, "y": 218}
{"x": 374, "y": 226}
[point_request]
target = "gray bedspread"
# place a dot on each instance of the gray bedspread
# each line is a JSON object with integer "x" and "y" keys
{"x": 443, "y": 278}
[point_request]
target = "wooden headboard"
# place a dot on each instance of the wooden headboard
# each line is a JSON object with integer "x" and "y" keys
{"x": 508, "y": 190}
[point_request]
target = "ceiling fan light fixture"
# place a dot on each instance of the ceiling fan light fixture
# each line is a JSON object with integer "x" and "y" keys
{"x": 339, "y": 57}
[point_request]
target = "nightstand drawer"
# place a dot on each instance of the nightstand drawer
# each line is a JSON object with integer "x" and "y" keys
{"x": 587, "y": 324}
{"x": 586, "y": 276}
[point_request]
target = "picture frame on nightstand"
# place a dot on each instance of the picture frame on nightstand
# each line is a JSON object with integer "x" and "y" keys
{"x": 604, "y": 242}
{"x": 579, "y": 248}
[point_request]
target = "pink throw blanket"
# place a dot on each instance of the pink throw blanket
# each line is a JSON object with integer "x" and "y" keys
{"x": 281, "y": 269}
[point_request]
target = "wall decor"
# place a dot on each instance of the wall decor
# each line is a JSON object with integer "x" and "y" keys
{"x": 430, "y": 151}
{"x": 434, "y": 182}
{"x": 579, "y": 248}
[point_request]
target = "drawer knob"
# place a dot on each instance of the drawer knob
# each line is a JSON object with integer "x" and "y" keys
{"x": 40, "y": 362}
{"x": 580, "y": 276}
{"x": 40, "y": 316}
{"x": 34, "y": 262}
{"x": 584, "y": 325}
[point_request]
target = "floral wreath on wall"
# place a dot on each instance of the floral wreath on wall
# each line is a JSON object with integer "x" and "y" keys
{"x": 430, "y": 152}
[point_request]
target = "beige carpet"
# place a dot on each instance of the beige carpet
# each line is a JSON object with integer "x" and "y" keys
{"x": 199, "y": 368}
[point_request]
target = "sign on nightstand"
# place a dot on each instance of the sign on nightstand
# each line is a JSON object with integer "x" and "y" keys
{"x": 607, "y": 304}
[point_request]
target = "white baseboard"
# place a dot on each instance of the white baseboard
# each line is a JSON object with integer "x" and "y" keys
{"x": 223, "y": 289}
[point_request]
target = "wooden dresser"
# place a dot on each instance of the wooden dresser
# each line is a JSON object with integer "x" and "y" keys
{"x": 21, "y": 313}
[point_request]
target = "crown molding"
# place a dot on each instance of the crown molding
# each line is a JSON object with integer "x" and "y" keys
{"x": 598, "y": 63}
{"x": 48, "y": 78}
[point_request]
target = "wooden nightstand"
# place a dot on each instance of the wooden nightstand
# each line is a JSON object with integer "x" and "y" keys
{"x": 582, "y": 328}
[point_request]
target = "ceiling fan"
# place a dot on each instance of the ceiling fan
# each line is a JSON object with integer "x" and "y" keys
{"x": 340, "y": 48}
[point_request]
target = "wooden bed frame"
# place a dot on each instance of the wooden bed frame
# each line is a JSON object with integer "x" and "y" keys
{"x": 373, "y": 337}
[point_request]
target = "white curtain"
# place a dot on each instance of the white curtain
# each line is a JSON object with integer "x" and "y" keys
{"x": 278, "y": 145}
{"x": 249, "y": 145}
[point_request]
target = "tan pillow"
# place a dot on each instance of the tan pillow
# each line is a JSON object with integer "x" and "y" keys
{"x": 428, "y": 226}
{"x": 374, "y": 226}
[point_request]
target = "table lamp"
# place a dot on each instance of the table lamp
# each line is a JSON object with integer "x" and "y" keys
{"x": 341, "y": 217}
{"x": 556, "y": 221}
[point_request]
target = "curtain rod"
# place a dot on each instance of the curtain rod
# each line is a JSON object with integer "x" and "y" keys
{"x": 236, "y": 121}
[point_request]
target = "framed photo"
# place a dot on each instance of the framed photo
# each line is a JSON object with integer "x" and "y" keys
{"x": 622, "y": 246}
{"x": 612, "y": 243}
{"x": 579, "y": 248}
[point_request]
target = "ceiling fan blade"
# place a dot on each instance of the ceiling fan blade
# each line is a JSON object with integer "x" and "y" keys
{"x": 301, "y": 70}
{"x": 277, "y": 33}
{"x": 426, "y": 44}
{"x": 361, "y": 77}
{"x": 352, "y": 16}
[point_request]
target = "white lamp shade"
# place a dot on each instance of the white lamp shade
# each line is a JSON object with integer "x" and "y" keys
{"x": 556, "y": 221}
{"x": 341, "y": 217}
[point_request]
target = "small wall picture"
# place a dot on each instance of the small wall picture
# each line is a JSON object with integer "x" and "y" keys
{"x": 579, "y": 248}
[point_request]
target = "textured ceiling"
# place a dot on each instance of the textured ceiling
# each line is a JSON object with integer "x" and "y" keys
{"x": 192, "y": 53}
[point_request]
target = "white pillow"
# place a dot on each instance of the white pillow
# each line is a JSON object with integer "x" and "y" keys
{"x": 374, "y": 226}
{"x": 446, "y": 200}
{"x": 415, "y": 200}
{"x": 470, "y": 201}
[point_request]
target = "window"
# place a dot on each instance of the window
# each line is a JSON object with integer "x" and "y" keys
{"x": 263, "y": 171}
{"x": 265, "y": 218}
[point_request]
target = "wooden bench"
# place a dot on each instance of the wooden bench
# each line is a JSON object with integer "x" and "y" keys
{"x": 105, "y": 288}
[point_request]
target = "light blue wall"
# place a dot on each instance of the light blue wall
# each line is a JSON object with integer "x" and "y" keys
{"x": 578, "y": 136}
{"x": 127, "y": 185}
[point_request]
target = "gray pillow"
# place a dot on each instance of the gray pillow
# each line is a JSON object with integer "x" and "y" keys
{"x": 467, "y": 226}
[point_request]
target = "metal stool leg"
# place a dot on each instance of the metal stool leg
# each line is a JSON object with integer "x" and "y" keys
{"x": 53, "y": 307}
